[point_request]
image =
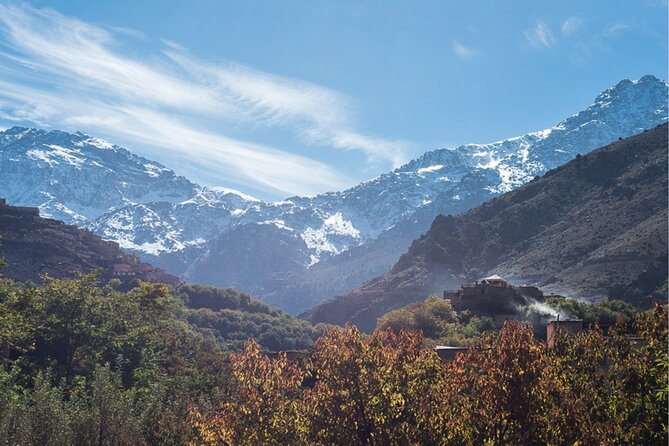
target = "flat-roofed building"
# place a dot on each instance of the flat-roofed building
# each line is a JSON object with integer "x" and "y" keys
{"x": 558, "y": 328}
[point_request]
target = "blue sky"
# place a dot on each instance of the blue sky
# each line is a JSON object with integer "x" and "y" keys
{"x": 277, "y": 98}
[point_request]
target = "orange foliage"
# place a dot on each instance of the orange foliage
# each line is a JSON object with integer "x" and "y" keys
{"x": 386, "y": 389}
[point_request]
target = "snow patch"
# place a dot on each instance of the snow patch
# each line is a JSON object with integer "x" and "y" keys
{"x": 99, "y": 143}
{"x": 56, "y": 155}
{"x": 41, "y": 155}
{"x": 524, "y": 154}
{"x": 317, "y": 240}
{"x": 541, "y": 134}
{"x": 153, "y": 248}
{"x": 196, "y": 242}
{"x": 337, "y": 225}
{"x": 154, "y": 171}
{"x": 491, "y": 164}
{"x": 225, "y": 190}
{"x": 324, "y": 239}
{"x": 278, "y": 223}
{"x": 430, "y": 168}
{"x": 67, "y": 211}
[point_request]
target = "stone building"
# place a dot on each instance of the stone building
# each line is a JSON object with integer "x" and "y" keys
{"x": 492, "y": 296}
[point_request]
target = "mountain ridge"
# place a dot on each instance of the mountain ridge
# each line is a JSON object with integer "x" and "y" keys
{"x": 592, "y": 228}
{"x": 602, "y": 122}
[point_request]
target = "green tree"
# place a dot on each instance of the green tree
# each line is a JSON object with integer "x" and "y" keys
{"x": 435, "y": 318}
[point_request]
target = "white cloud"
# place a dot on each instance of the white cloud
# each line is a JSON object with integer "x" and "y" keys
{"x": 540, "y": 36}
{"x": 60, "y": 71}
{"x": 616, "y": 28}
{"x": 236, "y": 160}
{"x": 463, "y": 51}
{"x": 571, "y": 25}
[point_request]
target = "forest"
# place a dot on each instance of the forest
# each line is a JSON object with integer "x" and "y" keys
{"x": 85, "y": 364}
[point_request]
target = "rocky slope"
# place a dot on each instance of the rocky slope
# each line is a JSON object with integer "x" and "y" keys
{"x": 32, "y": 246}
{"x": 327, "y": 244}
{"x": 592, "y": 229}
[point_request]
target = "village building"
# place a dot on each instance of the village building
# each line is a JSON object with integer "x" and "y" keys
{"x": 492, "y": 296}
{"x": 567, "y": 327}
{"x": 448, "y": 353}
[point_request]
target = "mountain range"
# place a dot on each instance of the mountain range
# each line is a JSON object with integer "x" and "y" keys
{"x": 594, "y": 228}
{"x": 300, "y": 251}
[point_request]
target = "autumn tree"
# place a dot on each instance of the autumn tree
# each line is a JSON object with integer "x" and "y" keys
{"x": 509, "y": 388}
{"x": 370, "y": 390}
{"x": 264, "y": 405}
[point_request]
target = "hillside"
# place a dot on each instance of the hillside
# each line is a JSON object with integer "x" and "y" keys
{"x": 593, "y": 228}
{"x": 33, "y": 246}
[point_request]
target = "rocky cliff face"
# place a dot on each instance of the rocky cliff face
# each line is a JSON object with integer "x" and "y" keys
{"x": 591, "y": 229}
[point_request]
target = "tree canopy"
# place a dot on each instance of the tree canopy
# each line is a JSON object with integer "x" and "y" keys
{"x": 509, "y": 388}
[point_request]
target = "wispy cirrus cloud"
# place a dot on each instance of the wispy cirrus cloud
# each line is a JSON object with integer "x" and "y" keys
{"x": 616, "y": 28}
{"x": 318, "y": 115}
{"x": 540, "y": 36}
{"x": 464, "y": 52}
{"x": 60, "y": 71}
{"x": 571, "y": 25}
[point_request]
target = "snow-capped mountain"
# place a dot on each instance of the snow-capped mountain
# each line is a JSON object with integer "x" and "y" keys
{"x": 159, "y": 227}
{"x": 193, "y": 231}
{"x": 393, "y": 209}
{"x": 76, "y": 178}
{"x": 143, "y": 205}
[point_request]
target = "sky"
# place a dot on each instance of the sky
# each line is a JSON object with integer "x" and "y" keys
{"x": 282, "y": 98}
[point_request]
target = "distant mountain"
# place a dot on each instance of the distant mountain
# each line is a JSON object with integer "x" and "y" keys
{"x": 444, "y": 181}
{"x": 33, "y": 246}
{"x": 594, "y": 228}
{"x": 83, "y": 180}
{"x": 324, "y": 245}
{"x": 77, "y": 178}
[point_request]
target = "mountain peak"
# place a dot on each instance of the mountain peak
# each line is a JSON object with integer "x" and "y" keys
{"x": 76, "y": 177}
{"x": 649, "y": 78}
{"x": 627, "y": 88}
